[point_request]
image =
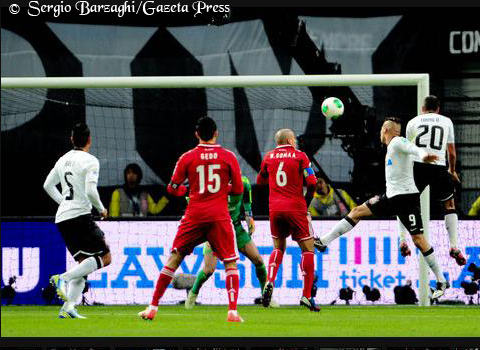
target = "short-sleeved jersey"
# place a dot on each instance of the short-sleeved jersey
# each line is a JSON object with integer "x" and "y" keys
{"x": 209, "y": 169}
{"x": 432, "y": 132}
{"x": 399, "y": 166}
{"x": 284, "y": 168}
{"x": 74, "y": 170}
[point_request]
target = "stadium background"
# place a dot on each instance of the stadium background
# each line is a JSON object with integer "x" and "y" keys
{"x": 136, "y": 126}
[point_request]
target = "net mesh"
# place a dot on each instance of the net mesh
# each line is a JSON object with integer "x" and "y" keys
{"x": 152, "y": 127}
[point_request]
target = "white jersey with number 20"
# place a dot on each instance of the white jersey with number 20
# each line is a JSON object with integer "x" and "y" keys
{"x": 431, "y": 132}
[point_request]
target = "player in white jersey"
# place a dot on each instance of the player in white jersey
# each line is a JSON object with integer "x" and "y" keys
{"x": 434, "y": 133}
{"x": 77, "y": 172}
{"x": 402, "y": 198}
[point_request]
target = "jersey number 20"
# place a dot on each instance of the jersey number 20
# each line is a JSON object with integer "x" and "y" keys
{"x": 433, "y": 136}
{"x": 212, "y": 177}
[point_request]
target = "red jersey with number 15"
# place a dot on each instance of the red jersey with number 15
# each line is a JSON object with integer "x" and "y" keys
{"x": 209, "y": 169}
{"x": 284, "y": 168}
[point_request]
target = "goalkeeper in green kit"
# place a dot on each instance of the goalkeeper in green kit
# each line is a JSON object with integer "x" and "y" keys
{"x": 245, "y": 245}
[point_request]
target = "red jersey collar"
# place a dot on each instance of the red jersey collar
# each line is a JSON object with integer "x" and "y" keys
{"x": 208, "y": 145}
{"x": 284, "y": 146}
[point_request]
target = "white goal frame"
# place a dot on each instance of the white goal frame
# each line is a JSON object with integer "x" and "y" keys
{"x": 421, "y": 81}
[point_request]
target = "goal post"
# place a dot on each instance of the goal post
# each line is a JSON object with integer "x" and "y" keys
{"x": 421, "y": 81}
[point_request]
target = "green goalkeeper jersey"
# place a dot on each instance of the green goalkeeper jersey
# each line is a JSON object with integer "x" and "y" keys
{"x": 235, "y": 206}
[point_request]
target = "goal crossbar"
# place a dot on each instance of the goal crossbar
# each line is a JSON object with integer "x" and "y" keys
{"x": 421, "y": 81}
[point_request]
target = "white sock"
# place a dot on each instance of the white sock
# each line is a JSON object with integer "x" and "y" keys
{"x": 434, "y": 266}
{"x": 85, "y": 268}
{"x": 343, "y": 226}
{"x": 402, "y": 230}
{"x": 74, "y": 291}
{"x": 451, "y": 224}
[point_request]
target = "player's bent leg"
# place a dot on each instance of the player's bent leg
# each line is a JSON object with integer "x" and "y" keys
{"x": 404, "y": 249}
{"x": 429, "y": 256}
{"x": 163, "y": 281}
{"x": 250, "y": 250}
{"x": 451, "y": 225}
{"x": 210, "y": 263}
{"x": 343, "y": 226}
{"x": 274, "y": 263}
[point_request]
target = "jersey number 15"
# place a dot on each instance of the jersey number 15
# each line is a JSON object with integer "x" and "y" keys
{"x": 212, "y": 177}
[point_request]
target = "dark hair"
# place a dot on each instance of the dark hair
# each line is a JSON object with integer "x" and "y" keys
{"x": 80, "y": 135}
{"x": 136, "y": 169}
{"x": 206, "y": 127}
{"x": 431, "y": 103}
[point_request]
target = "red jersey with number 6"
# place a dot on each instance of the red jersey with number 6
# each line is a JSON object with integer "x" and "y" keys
{"x": 284, "y": 168}
{"x": 209, "y": 169}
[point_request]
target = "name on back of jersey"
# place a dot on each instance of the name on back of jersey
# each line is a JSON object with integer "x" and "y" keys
{"x": 283, "y": 155}
{"x": 207, "y": 156}
{"x": 430, "y": 119}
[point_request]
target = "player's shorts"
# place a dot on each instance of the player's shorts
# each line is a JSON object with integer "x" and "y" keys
{"x": 243, "y": 238}
{"x": 83, "y": 237}
{"x": 405, "y": 206}
{"x": 219, "y": 234}
{"x": 437, "y": 176}
{"x": 286, "y": 223}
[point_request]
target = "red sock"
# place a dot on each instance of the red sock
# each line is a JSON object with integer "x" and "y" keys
{"x": 163, "y": 281}
{"x": 308, "y": 272}
{"x": 273, "y": 264}
{"x": 232, "y": 284}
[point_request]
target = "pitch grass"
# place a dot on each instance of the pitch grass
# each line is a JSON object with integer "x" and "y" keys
{"x": 209, "y": 321}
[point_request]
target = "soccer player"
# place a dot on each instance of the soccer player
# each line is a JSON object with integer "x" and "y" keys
{"x": 77, "y": 172}
{"x": 245, "y": 245}
{"x": 284, "y": 169}
{"x": 434, "y": 133}
{"x": 401, "y": 199}
{"x": 209, "y": 169}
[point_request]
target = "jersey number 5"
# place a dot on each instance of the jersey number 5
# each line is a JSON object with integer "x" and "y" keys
{"x": 212, "y": 177}
{"x": 70, "y": 187}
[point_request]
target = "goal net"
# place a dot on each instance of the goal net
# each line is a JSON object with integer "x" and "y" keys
{"x": 150, "y": 121}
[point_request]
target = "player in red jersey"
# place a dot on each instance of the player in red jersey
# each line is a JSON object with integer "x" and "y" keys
{"x": 213, "y": 173}
{"x": 284, "y": 169}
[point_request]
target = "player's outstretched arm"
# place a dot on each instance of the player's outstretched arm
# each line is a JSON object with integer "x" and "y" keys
{"x": 50, "y": 186}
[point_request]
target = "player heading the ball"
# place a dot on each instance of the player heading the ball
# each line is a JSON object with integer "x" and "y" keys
{"x": 402, "y": 198}
{"x": 77, "y": 172}
{"x": 284, "y": 170}
{"x": 209, "y": 169}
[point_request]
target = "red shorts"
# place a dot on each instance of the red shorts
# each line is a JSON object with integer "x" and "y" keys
{"x": 286, "y": 223}
{"x": 219, "y": 234}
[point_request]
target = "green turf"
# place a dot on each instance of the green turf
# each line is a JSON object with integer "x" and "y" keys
{"x": 209, "y": 321}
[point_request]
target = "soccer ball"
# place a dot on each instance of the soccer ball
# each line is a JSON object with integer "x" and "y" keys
{"x": 332, "y": 108}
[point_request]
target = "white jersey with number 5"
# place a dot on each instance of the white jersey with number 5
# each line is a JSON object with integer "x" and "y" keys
{"x": 431, "y": 132}
{"x": 77, "y": 172}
